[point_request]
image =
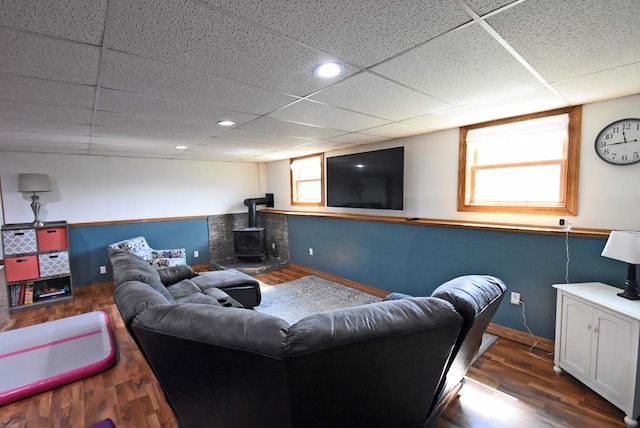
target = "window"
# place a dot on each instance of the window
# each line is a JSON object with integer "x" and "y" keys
{"x": 526, "y": 164}
{"x": 307, "y": 182}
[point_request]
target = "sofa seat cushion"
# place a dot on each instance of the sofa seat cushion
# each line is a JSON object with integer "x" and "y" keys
{"x": 240, "y": 286}
{"x": 199, "y": 298}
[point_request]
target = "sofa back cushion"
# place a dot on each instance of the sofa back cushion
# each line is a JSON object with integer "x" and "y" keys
{"x": 390, "y": 355}
{"x": 133, "y": 298}
{"x": 129, "y": 267}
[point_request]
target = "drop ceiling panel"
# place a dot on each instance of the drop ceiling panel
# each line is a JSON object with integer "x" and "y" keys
{"x": 164, "y": 109}
{"x": 45, "y": 138}
{"x": 461, "y": 67}
{"x": 105, "y": 137}
{"x": 142, "y": 76}
{"x": 572, "y": 38}
{"x": 47, "y": 113}
{"x": 318, "y": 114}
{"x": 38, "y": 146}
{"x": 618, "y": 82}
{"x": 36, "y": 56}
{"x": 188, "y": 34}
{"x": 482, "y": 7}
{"x": 270, "y": 125}
{"x": 355, "y": 138}
{"x": 78, "y": 20}
{"x": 538, "y": 99}
{"x": 360, "y": 32}
{"x": 395, "y": 130}
{"x": 374, "y": 95}
{"x": 244, "y": 136}
{"x": 24, "y": 125}
{"x": 131, "y": 151}
{"x": 32, "y": 90}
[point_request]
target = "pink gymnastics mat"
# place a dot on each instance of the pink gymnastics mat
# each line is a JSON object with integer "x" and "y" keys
{"x": 43, "y": 356}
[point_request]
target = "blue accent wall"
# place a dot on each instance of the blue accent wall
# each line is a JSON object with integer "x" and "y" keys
{"x": 415, "y": 259}
{"x": 88, "y": 244}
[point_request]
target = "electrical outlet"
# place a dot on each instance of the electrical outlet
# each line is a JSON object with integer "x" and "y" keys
{"x": 311, "y": 251}
{"x": 565, "y": 224}
{"x": 273, "y": 245}
{"x": 196, "y": 254}
{"x": 515, "y": 298}
{"x": 103, "y": 269}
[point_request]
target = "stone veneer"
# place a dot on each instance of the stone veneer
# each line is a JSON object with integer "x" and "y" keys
{"x": 221, "y": 229}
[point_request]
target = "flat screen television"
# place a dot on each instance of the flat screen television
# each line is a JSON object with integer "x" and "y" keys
{"x": 372, "y": 180}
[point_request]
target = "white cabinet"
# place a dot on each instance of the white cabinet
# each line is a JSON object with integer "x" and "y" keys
{"x": 597, "y": 335}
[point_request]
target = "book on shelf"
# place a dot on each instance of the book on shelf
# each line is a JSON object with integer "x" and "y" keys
{"x": 28, "y": 294}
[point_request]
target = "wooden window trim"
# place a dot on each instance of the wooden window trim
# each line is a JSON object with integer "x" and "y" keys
{"x": 294, "y": 182}
{"x": 569, "y": 185}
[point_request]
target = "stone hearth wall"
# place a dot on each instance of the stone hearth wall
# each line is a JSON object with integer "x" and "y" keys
{"x": 221, "y": 234}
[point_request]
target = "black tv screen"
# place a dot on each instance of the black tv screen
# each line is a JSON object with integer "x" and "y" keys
{"x": 367, "y": 180}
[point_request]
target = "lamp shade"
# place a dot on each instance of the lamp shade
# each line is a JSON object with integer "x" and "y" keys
{"x": 623, "y": 246}
{"x": 34, "y": 183}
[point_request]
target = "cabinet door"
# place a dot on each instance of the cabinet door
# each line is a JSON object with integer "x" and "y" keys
{"x": 613, "y": 357}
{"x": 576, "y": 338}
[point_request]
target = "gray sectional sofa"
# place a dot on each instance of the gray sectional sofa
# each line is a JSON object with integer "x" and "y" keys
{"x": 397, "y": 362}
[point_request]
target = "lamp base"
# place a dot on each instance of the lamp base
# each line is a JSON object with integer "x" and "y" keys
{"x": 629, "y": 295}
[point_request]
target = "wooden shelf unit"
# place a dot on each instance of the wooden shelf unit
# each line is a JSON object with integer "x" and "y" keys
{"x": 36, "y": 260}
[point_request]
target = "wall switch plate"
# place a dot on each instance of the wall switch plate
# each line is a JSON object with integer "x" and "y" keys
{"x": 103, "y": 269}
{"x": 311, "y": 251}
{"x": 196, "y": 254}
{"x": 515, "y": 298}
{"x": 273, "y": 245}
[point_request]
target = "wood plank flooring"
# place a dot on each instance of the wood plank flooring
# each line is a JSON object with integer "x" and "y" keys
{"x": 506, "y": 387}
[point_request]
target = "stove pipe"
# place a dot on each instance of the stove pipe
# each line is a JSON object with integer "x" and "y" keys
{"x": 253, "y": 202}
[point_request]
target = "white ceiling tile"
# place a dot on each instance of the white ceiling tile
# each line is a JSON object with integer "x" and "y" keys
{"x": 355, "y": 138}
{"x": 34, "y": 135}
{"x": 43, "y": 147}
{"x": 142, "y": 76}
{"x": 360, "y": 31}
{"x": 169, "y": 110}
{"x": 24, "y": 125}
{"x": 79, "y": 20}
{"x": 38, "y": 56}
{"x": 460, "y": 67}
{"x": 137, "y": 124}
{"x": 146, "y": 142}
{"x": 374, "y": 95}
{"x": 33, "y": 90}
{"x": 395, "y": 130}
{"x": 538, "y": 99}
{"x": 571, "y": 38}
{"x": 261, "y": 137}
{"x": 482, "y": 7}
{"x": 270, "y": 125}
{"x": 318, "y": 114}
{"x": 131, "y": 151}
{"x": 197, "y": 37}
{"x": 617, "y": 82}
{"x": 47, "y": 113}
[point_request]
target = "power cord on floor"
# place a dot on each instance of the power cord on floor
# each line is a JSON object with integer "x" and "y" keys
{"x": 535, "y": 341}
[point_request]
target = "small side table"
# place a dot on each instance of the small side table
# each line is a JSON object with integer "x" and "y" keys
{"x": 597, "y": 342}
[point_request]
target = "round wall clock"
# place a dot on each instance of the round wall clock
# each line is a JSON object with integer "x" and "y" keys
{"x": 619, "y": 142}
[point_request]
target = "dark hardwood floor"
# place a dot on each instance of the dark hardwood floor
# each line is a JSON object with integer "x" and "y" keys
{"x": 506, "y": 387}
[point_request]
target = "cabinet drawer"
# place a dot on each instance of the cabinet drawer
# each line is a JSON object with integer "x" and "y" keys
{"x": 52, "y": 238}
{"x": 19, "y": 241}
{"x": 21, "y": 268}
{"x": 54, "y": 263}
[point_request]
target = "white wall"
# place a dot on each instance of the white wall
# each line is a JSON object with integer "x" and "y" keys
{"x": 95, "y": 188}
{"x": 608, "y": 196}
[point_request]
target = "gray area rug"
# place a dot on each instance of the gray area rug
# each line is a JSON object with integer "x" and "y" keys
{"x": 308, "y": 295}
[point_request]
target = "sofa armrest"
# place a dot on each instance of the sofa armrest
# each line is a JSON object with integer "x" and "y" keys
{"x": 396, "y": 296}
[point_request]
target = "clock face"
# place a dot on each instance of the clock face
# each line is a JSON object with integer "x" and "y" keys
{"x": 619, "y": 142}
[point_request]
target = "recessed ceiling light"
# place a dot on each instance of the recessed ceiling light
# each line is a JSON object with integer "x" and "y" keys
{"x": 181, "y": 147}
{"x": 225, "y": 123}
{"x": 328, "y": 69}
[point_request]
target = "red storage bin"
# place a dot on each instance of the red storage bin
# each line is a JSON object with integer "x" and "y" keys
{"x": 52, "y": 238}
{"x": 21, "y": 268}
